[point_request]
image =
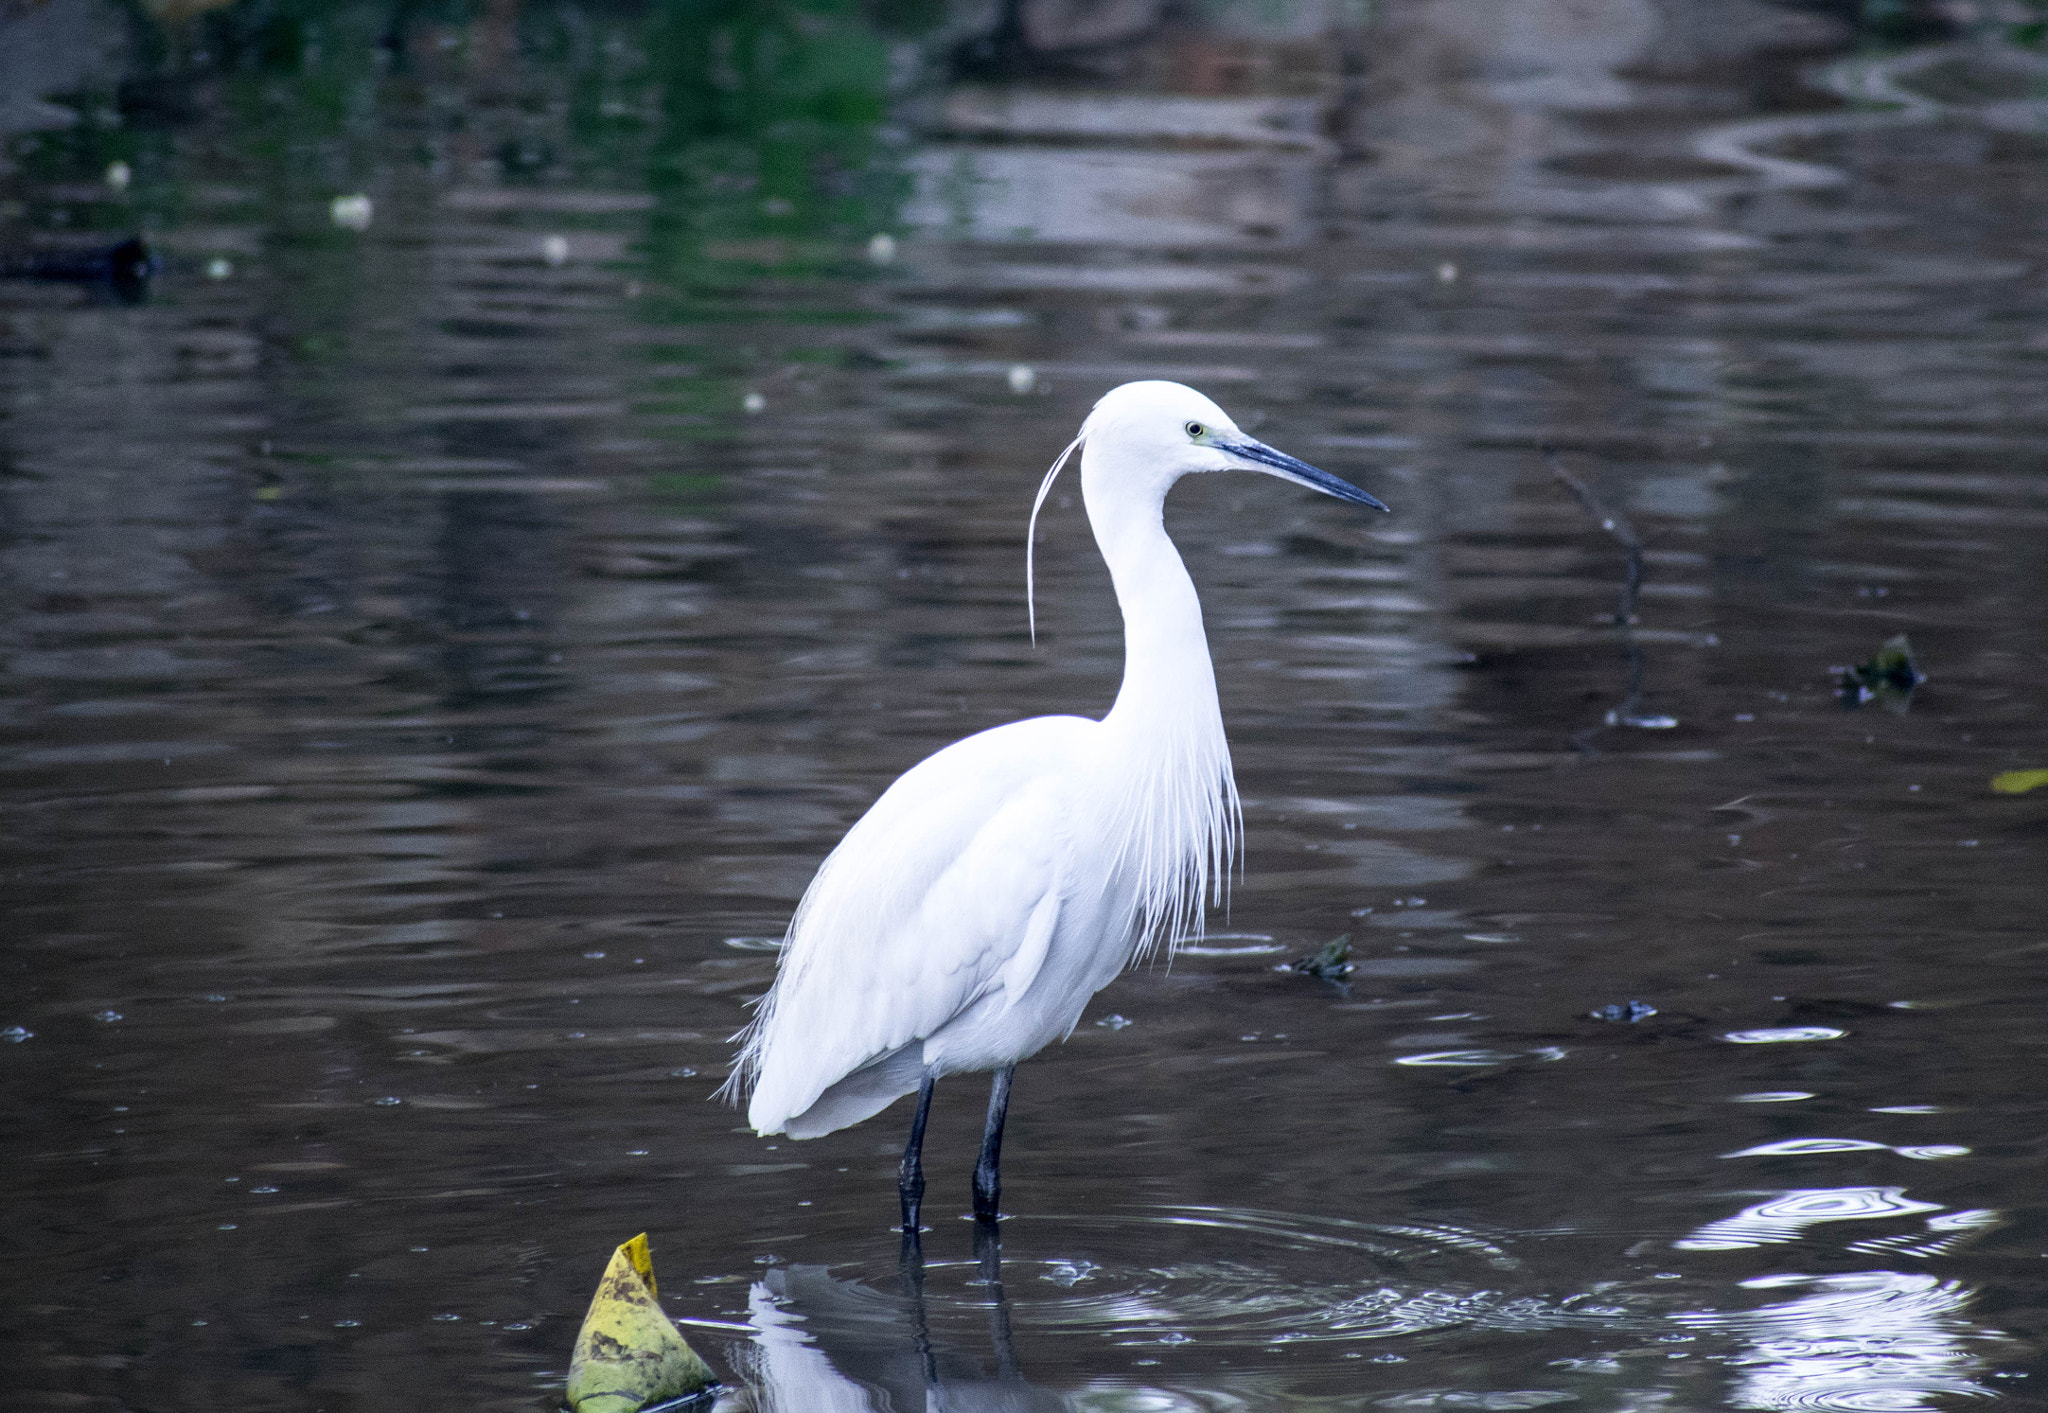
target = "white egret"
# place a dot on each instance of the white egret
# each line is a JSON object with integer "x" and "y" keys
{"x": 965, "y": 920}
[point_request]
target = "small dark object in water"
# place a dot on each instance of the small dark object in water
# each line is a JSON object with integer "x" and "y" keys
{"x": 1887, "y": 679}
{"x": 125, "y": 269}
{"x": 1629, "y": 1011}
{"x": 1330, "y": 962}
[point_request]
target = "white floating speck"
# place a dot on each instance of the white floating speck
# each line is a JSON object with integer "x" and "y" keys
{"x": 882, "y": 248}
{"x": 555, "y": 250}
{"x": 1447, "y": 273}
{"x": 754, "y": 403}
{"x": 351, "y": 213}
{"x": 1023, "y": 378}
{"x": 219, "y": 268}
{"x": 119, "y": 174}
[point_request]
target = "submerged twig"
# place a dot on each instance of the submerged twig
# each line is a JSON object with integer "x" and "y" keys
{"x": 1629, "y": 713}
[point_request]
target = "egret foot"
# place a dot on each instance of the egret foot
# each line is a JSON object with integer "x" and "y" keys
{"x": 988, "y": 1177}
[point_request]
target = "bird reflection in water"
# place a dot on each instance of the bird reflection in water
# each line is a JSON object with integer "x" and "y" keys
{"x": 826, "y": 1345}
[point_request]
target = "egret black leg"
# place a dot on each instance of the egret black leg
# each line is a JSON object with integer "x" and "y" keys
{"x": 988, "y": 1178}
{"x": 910, "y": 1174}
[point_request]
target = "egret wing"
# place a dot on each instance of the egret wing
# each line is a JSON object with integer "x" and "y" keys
{"x": 943, "y": 895}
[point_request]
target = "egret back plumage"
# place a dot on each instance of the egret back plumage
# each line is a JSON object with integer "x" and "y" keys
{"x": 966, "y": 919}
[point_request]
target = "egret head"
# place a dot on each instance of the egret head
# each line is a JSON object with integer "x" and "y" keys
{"x": 1159, "y": 432}
{"x": 1142, "y": 437}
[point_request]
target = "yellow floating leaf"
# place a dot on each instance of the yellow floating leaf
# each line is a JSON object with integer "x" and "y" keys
{"x": 628, "y": 1353}
{"x": 2018, "y": 782}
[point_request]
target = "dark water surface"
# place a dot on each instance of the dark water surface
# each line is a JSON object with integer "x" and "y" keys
{"x": 428, "y": 688}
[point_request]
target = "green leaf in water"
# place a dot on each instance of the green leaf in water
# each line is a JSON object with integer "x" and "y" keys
{"x": 629, "y": 1355}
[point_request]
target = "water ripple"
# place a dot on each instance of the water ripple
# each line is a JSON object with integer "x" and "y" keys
{"x": 1783, "y": 1035}
{"x": 1786, "y": 1216}
{"x": 1864, "y": 1342}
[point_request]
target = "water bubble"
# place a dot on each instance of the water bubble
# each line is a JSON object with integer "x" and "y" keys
{"x": 109, "y": 1016}
{"x": 1114, "y": 1022}
{"x": 446, "y": 1315}
{"x": 387, "y": 1100}
{"x": 263, "y": 1189}
{"x": 15, "y": 1034}
{"x": 1772, "y": 1096}
{"x": 347, "y": 1324}
{"x": 684, "y": 1073}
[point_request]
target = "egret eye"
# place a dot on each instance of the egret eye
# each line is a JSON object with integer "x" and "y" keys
{"x": 1195, "y": 431}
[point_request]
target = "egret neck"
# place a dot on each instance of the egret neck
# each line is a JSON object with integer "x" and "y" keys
{"x": 1177, "y": 821}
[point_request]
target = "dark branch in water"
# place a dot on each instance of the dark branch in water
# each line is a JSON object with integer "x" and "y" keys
{"x": 124, "y": 270}
{"x": 1630, "y": 712}
{"x": 1624, "y": 535}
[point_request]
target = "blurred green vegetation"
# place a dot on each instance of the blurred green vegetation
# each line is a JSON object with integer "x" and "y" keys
{"x": 758, "y": 126}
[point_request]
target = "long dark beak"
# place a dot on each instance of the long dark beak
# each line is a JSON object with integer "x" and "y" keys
{"x": 1279, "y": 463}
